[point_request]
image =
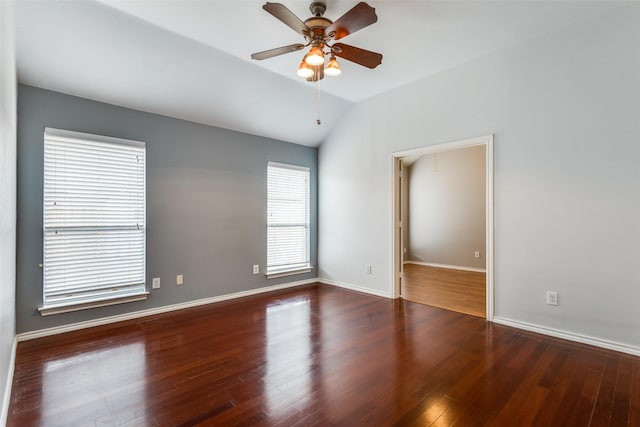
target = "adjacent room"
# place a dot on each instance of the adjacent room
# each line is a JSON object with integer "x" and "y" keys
{"x": 444, "y": 229}
{"x": 319, "y": 213}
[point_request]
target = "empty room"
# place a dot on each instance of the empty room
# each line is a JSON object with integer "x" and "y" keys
{"x": 340, "y": 213}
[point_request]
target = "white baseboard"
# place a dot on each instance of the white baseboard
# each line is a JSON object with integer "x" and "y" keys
{"x": 153, "y": 311}
{"x": 7, "y": 388}
{"x": 584, "y": 339}
{"x": 355, "y": 288}
{"x": 452, "y": 267}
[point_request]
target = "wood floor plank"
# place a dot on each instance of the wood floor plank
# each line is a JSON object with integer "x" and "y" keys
{"x": 457, "y": 290}
{"x": 621, "y": 397}
{"x": 317, "y": 355}
{"x": 634, "y": 398}
{"x": 601, "y": 415}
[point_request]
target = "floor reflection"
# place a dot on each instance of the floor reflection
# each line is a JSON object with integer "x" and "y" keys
{"x": 287, "y": 380}
{"x": 314, "y": 355}
{"x": 114, "y": 376}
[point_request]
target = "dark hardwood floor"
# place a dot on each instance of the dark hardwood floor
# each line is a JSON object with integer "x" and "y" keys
{"x": 319, "y": 355}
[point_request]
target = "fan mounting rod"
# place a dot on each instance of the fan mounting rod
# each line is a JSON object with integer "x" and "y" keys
{"x": 318, "y": 8}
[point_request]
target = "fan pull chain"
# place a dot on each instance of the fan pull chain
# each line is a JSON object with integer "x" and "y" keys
{"x": 318, "y": 103}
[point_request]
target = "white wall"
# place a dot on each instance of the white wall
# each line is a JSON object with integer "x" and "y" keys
{"x": 447, "y": 209}
{"x": 7, "y": 199}
{"x": 564, "y": 111}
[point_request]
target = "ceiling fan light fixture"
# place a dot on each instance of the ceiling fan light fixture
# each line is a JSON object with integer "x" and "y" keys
{"x": 333, "y": 68}
{"x": 304, "y": 70}
{"x": 315, "y": 56}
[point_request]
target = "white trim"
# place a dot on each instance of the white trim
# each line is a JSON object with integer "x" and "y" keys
{"x": 158, "y": 310}
{"x": 490, "y": 221}
{"x": 571, "y": 336}
{"x": 447, "y": 146}
{"x": 284, "y": 273}
{"x": 7, "y": 388}
{"x": 451, "y": 267}
{"x": 487, "y": 141}
{"x": 356, "y": 288}
{"x": 396, "y": 229}
{"x": 66, "y": 308}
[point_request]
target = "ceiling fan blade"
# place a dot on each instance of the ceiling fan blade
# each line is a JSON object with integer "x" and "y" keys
{"x": 265, "y": 54}
{"x": 366, "y": 58}
{"x": 285, "y": 15}
{"x": 360, "y": 16}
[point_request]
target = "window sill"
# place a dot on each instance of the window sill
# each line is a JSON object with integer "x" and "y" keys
{"x": 283, "y": 273}
{"x": 58, "y": 309}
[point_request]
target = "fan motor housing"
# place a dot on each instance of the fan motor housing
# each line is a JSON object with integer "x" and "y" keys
{"x": 317, "y": 26}
{"x": 318, "y": 22}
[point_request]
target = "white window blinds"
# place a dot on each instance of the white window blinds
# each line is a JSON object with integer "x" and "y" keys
{"x": 94, "y": 219}
{"x": 287, "y": 218}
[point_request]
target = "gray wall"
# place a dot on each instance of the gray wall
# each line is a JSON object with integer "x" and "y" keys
{"x": 564, "y": 111}
{"x": 7, "y": 195}
{"x": 206, "y": 202}
{"x": 447, "y": 211}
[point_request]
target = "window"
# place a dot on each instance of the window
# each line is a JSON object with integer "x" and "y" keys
{"x": 287, "y": 220}
{"x": 93, "y": 221}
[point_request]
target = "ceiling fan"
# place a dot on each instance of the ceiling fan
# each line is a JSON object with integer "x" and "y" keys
{"x": 319, "y": 33}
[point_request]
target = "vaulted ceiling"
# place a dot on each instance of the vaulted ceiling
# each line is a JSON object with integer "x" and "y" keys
{"x": 191, "y": 59}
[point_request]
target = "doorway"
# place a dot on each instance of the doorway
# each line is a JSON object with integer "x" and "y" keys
{"x": 444, "y": 276}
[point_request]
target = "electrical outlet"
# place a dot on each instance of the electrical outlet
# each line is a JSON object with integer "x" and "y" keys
{"x": 368, "y": 268}
{"x": 552, "y": 298}
{"x": 477, "y": 254}
{"x": 155, "y": 284}
{"x": 256, "y": 268}
{"x": 179, "y": 280}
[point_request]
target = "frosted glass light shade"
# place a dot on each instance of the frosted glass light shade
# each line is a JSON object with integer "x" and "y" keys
{"x": 333, "y": 68}
{"x": 304, "y": 70}
{"x": 315, "y": 56}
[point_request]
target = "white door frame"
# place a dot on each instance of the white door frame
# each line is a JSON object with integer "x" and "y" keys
{"x": 396, "y": 158}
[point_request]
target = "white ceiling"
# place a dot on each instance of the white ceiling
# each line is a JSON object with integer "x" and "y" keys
{"x": 190, "y": 59}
